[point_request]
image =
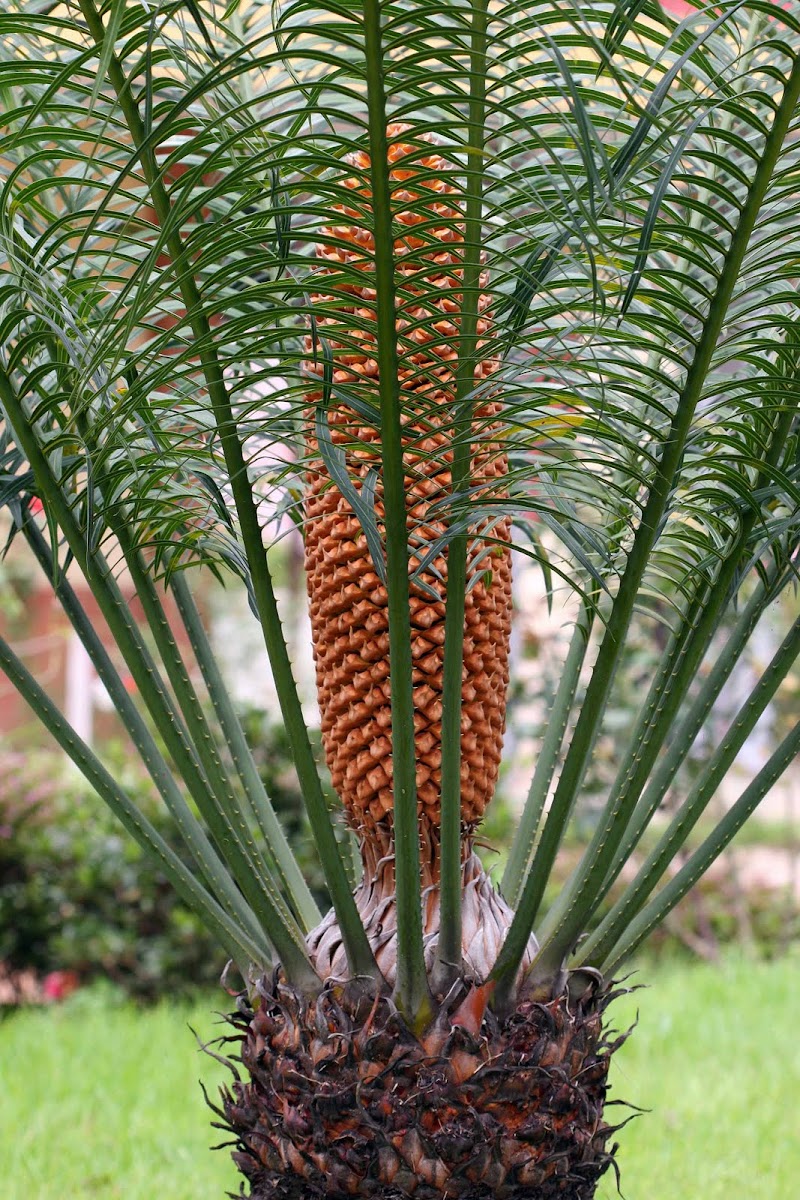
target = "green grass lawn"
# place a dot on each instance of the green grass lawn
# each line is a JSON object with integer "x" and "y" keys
{"x": 99, "y": 1101}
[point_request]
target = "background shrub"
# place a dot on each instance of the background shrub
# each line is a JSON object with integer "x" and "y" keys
{"x": 78, "y": 895}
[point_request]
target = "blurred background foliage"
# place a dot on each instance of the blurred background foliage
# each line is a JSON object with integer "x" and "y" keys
{"x": 77, "y": 895}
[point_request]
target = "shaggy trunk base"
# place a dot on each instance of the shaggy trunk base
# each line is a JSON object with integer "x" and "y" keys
{"x": 343, "y": 1100}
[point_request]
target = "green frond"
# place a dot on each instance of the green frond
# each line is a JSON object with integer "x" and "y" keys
{"x": 176, "y": 183}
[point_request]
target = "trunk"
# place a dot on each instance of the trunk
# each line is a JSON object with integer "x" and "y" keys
{"x": 342, "y": 1100}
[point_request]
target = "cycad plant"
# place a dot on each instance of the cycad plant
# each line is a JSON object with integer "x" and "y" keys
{"x": 433, "y": 281}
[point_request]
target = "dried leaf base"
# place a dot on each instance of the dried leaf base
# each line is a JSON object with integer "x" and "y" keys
{"x": 342, "y": 1100}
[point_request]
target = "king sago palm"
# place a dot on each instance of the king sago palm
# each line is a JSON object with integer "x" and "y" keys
{"x": 435, "y": 282}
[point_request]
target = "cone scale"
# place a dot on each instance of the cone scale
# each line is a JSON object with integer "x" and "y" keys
{"x": 342, "y": 1099}
{"x": 348, "y": 601}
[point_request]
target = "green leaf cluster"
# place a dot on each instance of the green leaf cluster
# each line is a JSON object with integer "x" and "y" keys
{"x": 627, "y": 194}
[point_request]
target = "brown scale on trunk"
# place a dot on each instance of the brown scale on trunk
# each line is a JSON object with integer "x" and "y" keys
{"x": 343, "y": 1101}
{"x": 348, "y": 602}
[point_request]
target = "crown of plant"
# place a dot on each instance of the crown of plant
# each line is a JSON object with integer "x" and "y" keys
{"x": 412, "y": 276}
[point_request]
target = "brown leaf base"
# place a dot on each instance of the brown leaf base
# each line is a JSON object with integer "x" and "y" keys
{"x": 343, "y": 1100}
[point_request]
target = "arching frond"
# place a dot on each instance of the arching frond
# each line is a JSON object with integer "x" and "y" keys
{"x": 548, "y": 251}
